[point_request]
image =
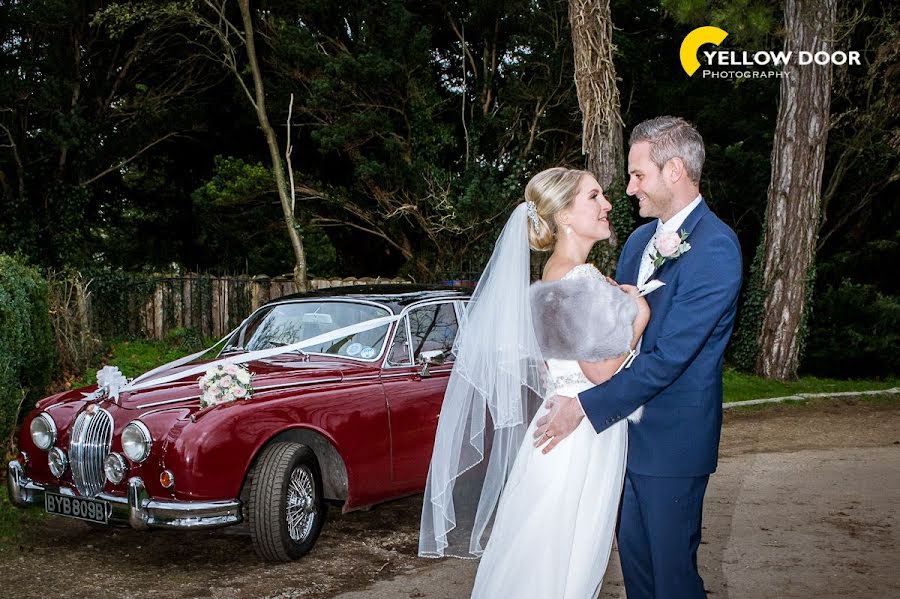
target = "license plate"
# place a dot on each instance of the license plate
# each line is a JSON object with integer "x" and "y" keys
{"x": 92, "y": 510}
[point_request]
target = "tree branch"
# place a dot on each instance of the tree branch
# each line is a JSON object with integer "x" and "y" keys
{"x": 334, "y": 222}
{"x": 462, "y": 39}
{"x": 20, "y": 169}
{"x": 288, "y": 150}
{"x": 116, "y": 167}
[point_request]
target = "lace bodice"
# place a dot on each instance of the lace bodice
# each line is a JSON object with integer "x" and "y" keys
{"x": 585, "y": 271}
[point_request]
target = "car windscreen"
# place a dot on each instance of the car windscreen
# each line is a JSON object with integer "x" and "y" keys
{"x": 284, "y": 324}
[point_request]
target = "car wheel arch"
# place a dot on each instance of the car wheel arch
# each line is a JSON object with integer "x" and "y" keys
{"x": 335, "y": 481}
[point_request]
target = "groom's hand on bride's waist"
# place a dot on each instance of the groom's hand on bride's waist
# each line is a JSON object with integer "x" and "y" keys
{"x": 563, "y": 416}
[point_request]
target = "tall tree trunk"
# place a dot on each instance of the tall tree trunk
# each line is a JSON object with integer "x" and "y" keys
{"x": 598, "y": 95}
{"x": 794, "y": 199}
{"x": 300, "y": 275}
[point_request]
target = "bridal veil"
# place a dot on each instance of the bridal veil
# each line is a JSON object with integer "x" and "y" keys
{"x": 498, "y": 381}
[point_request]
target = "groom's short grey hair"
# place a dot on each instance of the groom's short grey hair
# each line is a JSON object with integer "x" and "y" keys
{"x": 672, "y": 137}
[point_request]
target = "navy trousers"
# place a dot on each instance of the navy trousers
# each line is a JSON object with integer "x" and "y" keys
{"x": 658, "y": 536}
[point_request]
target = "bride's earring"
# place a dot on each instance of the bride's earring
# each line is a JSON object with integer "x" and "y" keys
{"x": 568, "y": 230}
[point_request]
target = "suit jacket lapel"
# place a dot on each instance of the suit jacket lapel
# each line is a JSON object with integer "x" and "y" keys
{"x": 694, "y": 217}
{"x": 688, "y": 226}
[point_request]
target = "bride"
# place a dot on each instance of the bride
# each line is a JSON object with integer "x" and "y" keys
{"x": 550, "y": 518}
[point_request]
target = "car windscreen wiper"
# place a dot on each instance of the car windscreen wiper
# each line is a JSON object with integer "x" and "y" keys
{"x": 280, "y": 344}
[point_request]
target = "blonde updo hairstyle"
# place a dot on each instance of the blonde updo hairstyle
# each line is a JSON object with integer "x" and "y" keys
{"x": 550, "y": 190}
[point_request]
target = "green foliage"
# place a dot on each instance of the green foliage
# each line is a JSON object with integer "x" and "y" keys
{"x": 241, "y": 223}
{"x": 746, "y": 21}
{"x": 854, "y": 328}
{"x": 71, "y": 233}
{"x": 854, "y": 332}
{"x": 808, "y": 311}
{"x": 84, "y": 104}
{"x": 744, "y": 347}
{"x": 186, "y": 339}
{"x": 687, "y": 11}
{"x": 236, "y": 182}
{"x": 27, "y": 359}
{"x": 120, "y": 18}
{"x": 134, "y": 357}
{"x": 121, "y": 302}
{"x": 115, "y": 298}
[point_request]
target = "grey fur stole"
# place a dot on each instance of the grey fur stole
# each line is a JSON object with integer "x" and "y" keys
{"x": 582, "y": 318}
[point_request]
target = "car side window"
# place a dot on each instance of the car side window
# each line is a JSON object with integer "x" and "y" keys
{"x": 399, "y": 355}
{"x": 433, "y": 327}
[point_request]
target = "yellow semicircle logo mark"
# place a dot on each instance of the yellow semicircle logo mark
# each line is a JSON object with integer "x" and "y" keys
{"x": 692, "y": 42}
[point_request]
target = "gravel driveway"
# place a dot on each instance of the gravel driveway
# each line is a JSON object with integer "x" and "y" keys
{"x": 804, "y": 504}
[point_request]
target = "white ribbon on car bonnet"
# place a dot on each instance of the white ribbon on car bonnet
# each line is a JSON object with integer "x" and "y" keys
{"x": 148, "y": 381}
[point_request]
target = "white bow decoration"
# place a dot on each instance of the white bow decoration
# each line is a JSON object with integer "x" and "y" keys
{"x": 110, "y": 381}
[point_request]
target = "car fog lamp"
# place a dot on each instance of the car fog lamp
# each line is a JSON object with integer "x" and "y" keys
{"x": 43, "y": 431}
{"x": 57, "y": 461}
{"x": 115, "y": 468}
{"x": 136, "y": 441}
{"x": 166, "y": 479}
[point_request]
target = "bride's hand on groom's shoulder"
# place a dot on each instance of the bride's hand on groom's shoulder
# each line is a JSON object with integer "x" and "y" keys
{"x": 631, "y": 290}
{"x": 634, "y": 292}
{"x": 563, "y": 416}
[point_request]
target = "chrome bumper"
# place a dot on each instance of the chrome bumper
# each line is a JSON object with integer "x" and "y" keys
{"x": 136, "y": 509}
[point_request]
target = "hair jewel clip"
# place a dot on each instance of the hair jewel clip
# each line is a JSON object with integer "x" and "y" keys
{"x": 531, "y": 209}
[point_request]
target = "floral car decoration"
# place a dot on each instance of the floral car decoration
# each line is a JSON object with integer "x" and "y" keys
{"x": 329, "y": 398}
{"x": 223, "y": 383}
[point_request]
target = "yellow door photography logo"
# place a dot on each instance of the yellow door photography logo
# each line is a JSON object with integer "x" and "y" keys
{"x": 692, "y": 42}
{"x": 751, "y": 64}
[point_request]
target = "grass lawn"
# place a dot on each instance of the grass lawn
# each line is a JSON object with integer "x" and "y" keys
{"x": 740, "y": 386}
{"x": 135, "y": 357}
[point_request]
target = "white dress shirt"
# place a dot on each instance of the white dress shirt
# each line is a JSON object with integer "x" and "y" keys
{"x": 670, "y": 225}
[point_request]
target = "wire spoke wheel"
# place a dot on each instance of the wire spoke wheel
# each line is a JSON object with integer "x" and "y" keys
{"x": 301, "y": 503}
{"x": 287, "y": 509}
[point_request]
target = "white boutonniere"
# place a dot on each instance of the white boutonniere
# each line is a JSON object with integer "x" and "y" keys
{"x": 669, "y": 246}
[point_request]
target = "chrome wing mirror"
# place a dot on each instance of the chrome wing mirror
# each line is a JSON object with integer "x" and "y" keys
{"x": 430, "y": 358}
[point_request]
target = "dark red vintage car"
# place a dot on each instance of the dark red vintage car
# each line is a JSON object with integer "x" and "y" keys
{"x": 350, "y": 422}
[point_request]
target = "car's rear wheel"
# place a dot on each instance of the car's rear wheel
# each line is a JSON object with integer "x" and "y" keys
{"x": 287, "y": 507}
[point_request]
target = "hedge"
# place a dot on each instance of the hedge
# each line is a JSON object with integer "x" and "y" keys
{"x": 27, "y": 354}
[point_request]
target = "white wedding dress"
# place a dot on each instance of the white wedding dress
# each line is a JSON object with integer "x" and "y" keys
{"x": 554, "y": 527}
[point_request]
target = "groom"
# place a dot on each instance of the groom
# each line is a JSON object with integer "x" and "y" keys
{"x": 677, "y": 378}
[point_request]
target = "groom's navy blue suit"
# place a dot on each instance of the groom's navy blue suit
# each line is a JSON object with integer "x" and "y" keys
{"x": 677, "y": 377}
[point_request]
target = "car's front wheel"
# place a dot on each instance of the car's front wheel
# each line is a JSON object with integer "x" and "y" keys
{"x": 287, "y": 507}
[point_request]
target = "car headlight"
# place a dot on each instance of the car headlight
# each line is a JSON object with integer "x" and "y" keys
{"x": 136, "y": 441}
{"x": 43, "y": 431}
{"x": 115, "y": 468}
{"x": 57, "y": 461}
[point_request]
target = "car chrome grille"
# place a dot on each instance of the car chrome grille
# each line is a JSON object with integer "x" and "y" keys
{"x": 89, "y": 444}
